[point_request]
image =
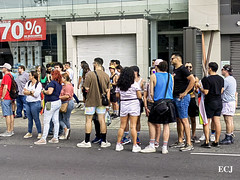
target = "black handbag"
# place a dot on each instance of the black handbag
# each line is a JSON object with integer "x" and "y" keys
{"x": 105, "y": 101}
{"x": 161, "y": 106}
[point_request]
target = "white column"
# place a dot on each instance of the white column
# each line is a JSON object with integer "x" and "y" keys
{"x": 59, "y": 44}
{"x": 154, "y": 39}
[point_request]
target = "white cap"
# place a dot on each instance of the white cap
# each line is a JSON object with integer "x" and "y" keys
{"x": 157, "y": 62}
{"x": 7, "y": 66}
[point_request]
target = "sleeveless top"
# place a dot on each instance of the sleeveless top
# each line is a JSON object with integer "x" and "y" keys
{"x": 139, "y": 83}
{"x": 160, "y": 88}
{"x": 113, "y": 87}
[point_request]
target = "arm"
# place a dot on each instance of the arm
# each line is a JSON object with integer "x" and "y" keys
{"x": 5, "y": 88}
{"x": 152, "y": 85}
{"x": 64, "y": 97}
{"x": 139, "y": 95}
{"x": 118, "y": 95}
{"x": 115, "y": 80}
{"x": 145, "y": 103}
{"x": 236, "y": 98}
{"x": 49, "y": 91}
{"x": 108, "y": 94}
{"x": 37, "y": 91}
{"x": 190, "y": 86}
{"x": 79, "y": 81}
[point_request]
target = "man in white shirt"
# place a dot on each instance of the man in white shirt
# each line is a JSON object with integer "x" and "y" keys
{"x": 70, "y": 72}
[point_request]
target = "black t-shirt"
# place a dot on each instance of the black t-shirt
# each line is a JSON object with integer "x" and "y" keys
{"x": 214, "y": 84}
{"x": 180, "y": 80}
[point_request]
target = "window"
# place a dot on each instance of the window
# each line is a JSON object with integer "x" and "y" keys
{"x": 235, "y": 7}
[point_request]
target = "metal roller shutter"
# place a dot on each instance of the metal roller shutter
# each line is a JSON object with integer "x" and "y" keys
{"x": 108, "y": 47}
{"x": 235, "y": 61}
{"x": 198, "y": 68}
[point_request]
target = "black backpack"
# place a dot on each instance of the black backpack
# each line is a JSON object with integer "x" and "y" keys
{"x": 13, "y": 92}
{"x": 29, "y": 82}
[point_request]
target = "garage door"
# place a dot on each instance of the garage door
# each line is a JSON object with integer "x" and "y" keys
{"x": 108, "y": 47}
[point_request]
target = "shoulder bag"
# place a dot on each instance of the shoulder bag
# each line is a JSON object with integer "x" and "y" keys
{"x": 105, "y": 101}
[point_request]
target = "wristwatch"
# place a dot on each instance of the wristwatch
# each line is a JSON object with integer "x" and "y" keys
{"x": 1, "y": 98}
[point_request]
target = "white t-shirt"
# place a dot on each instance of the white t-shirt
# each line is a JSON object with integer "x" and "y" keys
{"x": 71, "y": 73}
{"x": 37, "y": 92}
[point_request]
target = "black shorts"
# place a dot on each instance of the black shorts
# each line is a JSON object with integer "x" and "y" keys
{"x": 150, "y": 105}
{"x": 113, "y": 98}
{"x": 193, "y": 110}
{"x": 213, "y": 108}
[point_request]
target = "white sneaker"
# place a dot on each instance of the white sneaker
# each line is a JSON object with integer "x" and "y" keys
{"x": 12, "y": 132}
{"x": 105, "y": 144}
{"x": 156, "y": 144}
{"x": 202, "y": 138}
{"x": 164, "y": 150}
{"x": 39, "y": 136}
{"x": 148, "y": 149}
{"x": 212, "y": 138}
{"x": 62, "y": 137}
{"x": 6, "y": 134}
{"x": 119, "y": 147}
{"x": 40, "y": 142}
{"x": 136, "y": 148}
{"x": 28, "y": 135}
{"x": 84, "y": 144}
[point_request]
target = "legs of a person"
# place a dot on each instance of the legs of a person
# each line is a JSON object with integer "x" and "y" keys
{"x": 187, "y": 130}
{"x": 180, "y": 130}
{"x": 35, "y": 110}
{"x": 158, "y": 132}
{"x": 229, "y": 124}
{"x": 8, "y": 123}
{"x": 19, "y": 106}
{"x": 55, "y": 118}
{"x": 138, "y": 127}
{"x": 68, "y": 113}
{"x": 193, "y": 126}
{"x": 217, "y": 124}
{"x": 76, "y": 98}
{"x": 213, "y": 126}
{"x": 88, "y": 127}
{"x": 30, "y": 117}
{"x": 123, "y": 124}
{"x": 97, "y": 126}
{"x": 206, "y": 131}
{"x": 24, "y": 105}
{"x": 152, "y": 130}
{"x": 46, "y": 122}
{"x": 133, "y": 127}
{"x": 166, "y": 132}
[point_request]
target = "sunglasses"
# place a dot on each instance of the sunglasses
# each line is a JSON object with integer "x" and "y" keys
{"x": 188, "y": 66}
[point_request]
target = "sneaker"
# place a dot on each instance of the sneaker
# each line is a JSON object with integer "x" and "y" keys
{"x": 187, "y": 148}
{"x": 205, "y": 145}
{"x": 195, "y": 139}
{"x": 28, "y": 135}
{"x": 156, "y": 144}
{"x": 39, "y": 136}
{"x": 84, "y": 144}
{"x": 78, "y": 105}
{"x": 177, "y": 145}
{"x": 202, "y": 138}
{"x": 25, "y": 117}
{"x": 119, "y": 147}
{"x": 232, "y": 138}
{"x": 125, "y": 140}
{"x": 136, "y": 148}
{"x": 148, "y": 149}
{"x": 54, "y": 141}
{"x": 6, "y": 134}
{"x": 164, "y": 151}
{"x": 138, "y": 141}
{"x": 105, "y": 144}
{"x": 67, "y": 134}
{"x": 212, "y": 137}
{"x": 40, "y": 142}
{"x": 226, "y": 140}
{"x": 215, "y": 144}
{"x": 62, "y": 137}
{"x": 12, "y": 132}
{"x": 96, "y": 140}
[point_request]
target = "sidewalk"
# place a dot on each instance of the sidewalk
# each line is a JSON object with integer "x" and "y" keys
{"x": 78, "y": 121}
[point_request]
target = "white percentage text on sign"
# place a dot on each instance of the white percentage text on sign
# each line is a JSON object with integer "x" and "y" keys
{"x": 29, "y": 26}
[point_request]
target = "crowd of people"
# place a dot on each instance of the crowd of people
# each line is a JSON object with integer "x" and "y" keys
{"x": 166, "y": 98}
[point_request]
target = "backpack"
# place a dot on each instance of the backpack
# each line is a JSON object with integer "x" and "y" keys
{"x": 13, "y": 92}
{"x": 29, "y": 82}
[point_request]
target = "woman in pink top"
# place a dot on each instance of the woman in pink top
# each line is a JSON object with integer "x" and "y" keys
{"x": 66, "y": 97}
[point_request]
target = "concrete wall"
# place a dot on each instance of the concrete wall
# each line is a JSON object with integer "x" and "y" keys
{"x": 139, "y": 27}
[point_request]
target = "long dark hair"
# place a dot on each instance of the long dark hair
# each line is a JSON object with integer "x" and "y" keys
{"x": 35, "y": 75}
{"x": 126, "y": 79}
{"x": 85, "y": 68}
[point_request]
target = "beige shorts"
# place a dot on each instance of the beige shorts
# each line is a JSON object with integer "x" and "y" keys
{"x": 229, "y": 108}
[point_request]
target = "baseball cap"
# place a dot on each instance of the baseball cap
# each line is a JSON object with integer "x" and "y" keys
{"x": 157, "y": 62}
{"x": 227, "y": 68}
{"x": 112, "y": 67}
{"x": 7, "y": 66}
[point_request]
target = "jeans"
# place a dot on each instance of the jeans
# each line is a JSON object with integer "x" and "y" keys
{"x": 7, "y": 108}
{"x": 182, "y": 106}
{"x": 33, "y": 109}
{"x": 21, "y": 105}
{"x": 64, "y": 118}
{"x": 75, "y": 97}
{"x": 53, "y": 114}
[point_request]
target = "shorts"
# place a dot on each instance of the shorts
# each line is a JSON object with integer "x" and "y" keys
{"x": 229, "y": 108}
{"x": 150, "y": 105}
{"x": 113, "y": 98}
{"x": 92, "y": 110}
{"x": 7, "y": 108}
{"x": 213, "y": 108}
{"x": 193, "y": 110}
{"x": 131, "y": 107}
{"x": 182, "y": 106}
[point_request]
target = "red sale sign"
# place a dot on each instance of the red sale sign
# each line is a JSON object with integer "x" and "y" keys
{"x": 23, "y": 30}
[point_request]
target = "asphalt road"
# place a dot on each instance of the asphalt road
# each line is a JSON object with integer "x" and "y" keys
{"x": 20, "y": 159}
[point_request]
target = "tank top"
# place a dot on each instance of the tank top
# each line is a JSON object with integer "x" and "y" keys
{"x": 139, "y": 83}
{"x": 160, "y": 88}
{"x": 111, "y": 81}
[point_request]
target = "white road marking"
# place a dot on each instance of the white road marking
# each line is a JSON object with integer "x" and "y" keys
{"x": 214, "y": 154}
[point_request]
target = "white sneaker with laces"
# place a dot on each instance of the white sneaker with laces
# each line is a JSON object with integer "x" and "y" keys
{"x": 62, "y": 137}
{"x": 84, "y": 144}
{"x": 28, "y": 135}
{"x": 164, "y": 150}
{"x": 136, "y": 148}
{"x": 202, "y": 138}
{"x": 212, "y": 138}
{"x": 148, "y": 149}
{"x": 6, "y": 134}
{"x": 39, "y": 136}
{"x": 119, "y": 147}
{"x": 105, "y": 144}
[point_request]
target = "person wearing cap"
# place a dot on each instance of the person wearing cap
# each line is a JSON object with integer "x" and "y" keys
{"x": 6, "y": 100}
{"x": 113, "y": 98}
{"x": 229, "y": 101}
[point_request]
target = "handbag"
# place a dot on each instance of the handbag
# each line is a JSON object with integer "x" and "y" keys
{"x": 64, "y": 107}
{"x": 105, "y": 101}
{"x": 161, "y": 106}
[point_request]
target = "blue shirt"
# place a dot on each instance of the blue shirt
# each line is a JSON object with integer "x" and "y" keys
{"x": 56, "y": 92}
{"x": 160, "y": 88}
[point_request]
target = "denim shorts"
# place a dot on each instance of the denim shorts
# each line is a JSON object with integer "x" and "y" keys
{"x": 92, "y": 110}
{"x": 7, "y": 108}
{"x": 182, "y": 106}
